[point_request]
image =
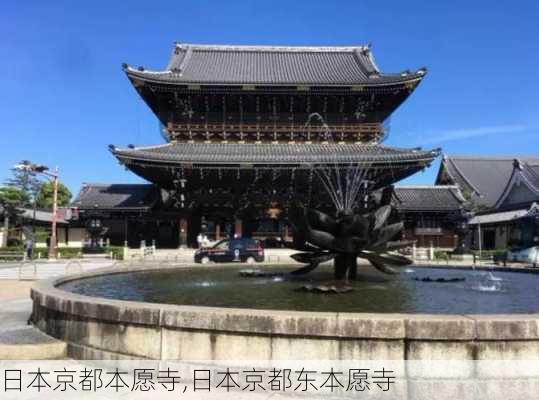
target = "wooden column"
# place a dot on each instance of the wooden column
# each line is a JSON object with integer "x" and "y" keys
{"x": 286, "y": 233}
{"x": 183, "y": 226}
{"x": 217, "y": 231}
{"x": 238, "y": 228}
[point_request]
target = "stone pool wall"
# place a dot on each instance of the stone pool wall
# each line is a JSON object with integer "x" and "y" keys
{"x": 97, "y": 328}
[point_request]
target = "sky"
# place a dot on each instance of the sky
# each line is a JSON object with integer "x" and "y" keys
{"x": 64, "y": 97}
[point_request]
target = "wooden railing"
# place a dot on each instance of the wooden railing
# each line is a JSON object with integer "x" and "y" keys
{"x": 273, "y": 131}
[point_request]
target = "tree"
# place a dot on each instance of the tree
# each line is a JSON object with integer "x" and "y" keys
{"x": 46, "y": 195}
{"x": 472, "y": 203}
{"x": 27, "y": 182}
{"x": 12, "y": 199}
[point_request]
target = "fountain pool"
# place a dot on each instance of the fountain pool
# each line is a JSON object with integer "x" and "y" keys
{"x": 212, "y": 313}
{"x": 421, "y": 290}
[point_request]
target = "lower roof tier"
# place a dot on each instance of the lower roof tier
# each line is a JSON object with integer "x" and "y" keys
{"x": 221, "y": 164}
{"x": 291, "y": 154}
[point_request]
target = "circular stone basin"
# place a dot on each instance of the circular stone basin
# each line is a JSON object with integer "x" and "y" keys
{"x": 416, "y": 290}
{"x": 212, "y": 313}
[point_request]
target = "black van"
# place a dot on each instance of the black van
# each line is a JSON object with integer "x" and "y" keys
{"x": 232, "y": 250}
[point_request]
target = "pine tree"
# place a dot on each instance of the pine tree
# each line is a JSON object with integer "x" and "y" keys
{"x": 27, "y": 182}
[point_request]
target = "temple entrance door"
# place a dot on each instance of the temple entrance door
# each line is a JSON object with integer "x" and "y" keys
{"x": 168, "y": 236}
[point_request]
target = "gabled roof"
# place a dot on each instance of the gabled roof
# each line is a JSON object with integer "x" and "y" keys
{"x": 522, "y": 188}
{"x": 428, "y": 198}
{"x": 484, "y": 177}
{"x": 116, "y": 196}
{"x": 272, "y": 65}
{"x": 273, "y": 154}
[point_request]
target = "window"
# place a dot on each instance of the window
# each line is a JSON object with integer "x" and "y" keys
{"x": 223, "y": 245}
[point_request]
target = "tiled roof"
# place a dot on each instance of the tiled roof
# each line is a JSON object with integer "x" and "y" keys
{"x": 505, "y": 216}
{"x": 486, "y": 177}
{"x": 116, "y": 196}
{"x": 265, "y": 153}
{"x": 270, "y": 65}
{"x": 428, "y": 198}
{"x": 40, "y": 216}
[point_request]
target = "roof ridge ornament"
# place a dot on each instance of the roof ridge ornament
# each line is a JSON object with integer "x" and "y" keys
{"x": 185, "y": 60}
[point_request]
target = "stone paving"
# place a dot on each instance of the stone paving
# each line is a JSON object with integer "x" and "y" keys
{"x": 18, "y": 340}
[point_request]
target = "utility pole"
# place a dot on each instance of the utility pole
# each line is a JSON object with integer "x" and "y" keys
{"x": 53, "y": 176}
{"x": 53, "y": 246}
{"x": 479, "y": 241}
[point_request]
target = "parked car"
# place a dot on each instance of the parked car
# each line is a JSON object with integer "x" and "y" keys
{"x": 232, "y": 250}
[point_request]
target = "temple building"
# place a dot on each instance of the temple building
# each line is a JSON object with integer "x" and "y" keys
{"x": 504, "y": 196}
{"x": 247, "y": 129}
{"x": 431, "y": 214}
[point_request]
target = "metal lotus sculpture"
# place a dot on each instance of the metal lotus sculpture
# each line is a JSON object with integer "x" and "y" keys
{"x": 350, "y": 234}
{"x": 345, "y": 238}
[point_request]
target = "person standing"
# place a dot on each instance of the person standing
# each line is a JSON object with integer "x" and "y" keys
{"x": 29, "y": 248}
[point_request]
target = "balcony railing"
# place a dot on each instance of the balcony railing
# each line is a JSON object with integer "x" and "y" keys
{"x": 274, "y": 131}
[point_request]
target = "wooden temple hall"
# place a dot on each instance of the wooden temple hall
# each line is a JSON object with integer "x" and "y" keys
{"x": 247, "y": 129}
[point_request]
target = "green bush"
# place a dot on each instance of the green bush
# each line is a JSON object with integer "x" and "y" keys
{"x": 490, "y": 254}
{"x": 42, "y": 234}
{"x": 70, "y": 252}
{"x": 12, "y": 248}
{"x": 14, "y": 242}
{"x": 442, "y": 255}
{"x": 63, "y": 252}
{"x": 117, "y": 252}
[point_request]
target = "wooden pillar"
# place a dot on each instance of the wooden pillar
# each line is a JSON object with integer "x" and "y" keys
{"x": 286, "y": 233}
{"x": 183, "y": 225}
{"x": 238, "y": 228}
{"x": 217, "y": 231}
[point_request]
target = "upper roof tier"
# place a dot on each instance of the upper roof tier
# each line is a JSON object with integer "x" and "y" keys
{"x": 194, "y": 64}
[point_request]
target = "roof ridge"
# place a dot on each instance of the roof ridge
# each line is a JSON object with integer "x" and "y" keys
{"x": 274, "y": 48}
{"x": 492, "y": 158}
{"x": 97, "y": 184}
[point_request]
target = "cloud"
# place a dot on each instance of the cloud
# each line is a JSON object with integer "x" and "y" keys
{"x": 459, "y": 134}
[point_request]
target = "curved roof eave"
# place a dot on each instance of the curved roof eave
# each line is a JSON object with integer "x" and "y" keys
{"x": 161, "y": 78}
{"x": 136, "y": 155}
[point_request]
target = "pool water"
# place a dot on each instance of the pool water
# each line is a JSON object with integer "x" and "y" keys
{"x": 481, "y": 292}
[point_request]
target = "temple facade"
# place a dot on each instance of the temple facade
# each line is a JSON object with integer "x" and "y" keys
{"x": 247, "y": 130}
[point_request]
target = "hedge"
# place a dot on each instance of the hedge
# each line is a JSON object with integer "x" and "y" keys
{"x": 65, "y": 252}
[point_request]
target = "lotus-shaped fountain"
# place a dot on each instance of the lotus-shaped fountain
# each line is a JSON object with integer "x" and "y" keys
{"x": 345, "y": 238}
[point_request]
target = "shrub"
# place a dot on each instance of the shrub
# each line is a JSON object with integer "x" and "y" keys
{"x": 441, "y": 255}
{"x": 117, "y": 252}
{"x": 14, "y": 242}
{"x": 491, "y": 254}
{"x": 63, "y": 252}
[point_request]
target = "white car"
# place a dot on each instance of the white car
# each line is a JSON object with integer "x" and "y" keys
{"x": 529, "y": 255}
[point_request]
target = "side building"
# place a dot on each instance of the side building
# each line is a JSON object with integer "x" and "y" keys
{"x": 503, "y": 193}
{"x": 432, "y": 214}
